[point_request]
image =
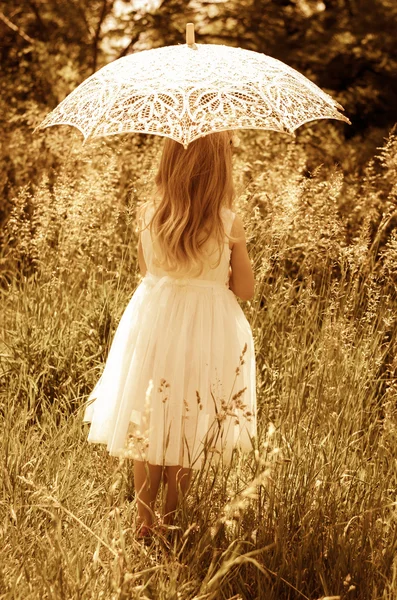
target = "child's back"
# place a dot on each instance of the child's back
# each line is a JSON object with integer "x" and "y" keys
{"x": 216, "y": 269}
{"x": 179, "y": 383}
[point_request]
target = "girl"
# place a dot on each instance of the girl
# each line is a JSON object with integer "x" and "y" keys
{"x": 178, "y": 387}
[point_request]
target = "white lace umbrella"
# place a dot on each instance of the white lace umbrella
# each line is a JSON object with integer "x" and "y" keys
{"x": 187, "y": 91}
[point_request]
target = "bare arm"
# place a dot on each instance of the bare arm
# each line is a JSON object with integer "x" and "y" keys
{"x": 242, "y": 278}
{"x": 141, "y": 259}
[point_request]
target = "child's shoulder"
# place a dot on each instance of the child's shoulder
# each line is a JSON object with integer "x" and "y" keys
{"x": 228, "y": 217}
{"x": 145, "y": 213}
{"x": 227, "y": 214}
{"x": 227, "y": 210}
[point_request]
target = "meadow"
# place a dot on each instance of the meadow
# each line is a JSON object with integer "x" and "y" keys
{"x": 310, "y": 513}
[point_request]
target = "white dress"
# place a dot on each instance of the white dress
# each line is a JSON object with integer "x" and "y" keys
{"x": 178, "y": 386}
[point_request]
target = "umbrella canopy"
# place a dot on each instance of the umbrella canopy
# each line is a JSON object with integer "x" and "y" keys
{"x": 187, "y": 91}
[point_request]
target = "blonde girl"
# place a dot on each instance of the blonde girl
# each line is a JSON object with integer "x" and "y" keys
{"x": 178, "y": 387}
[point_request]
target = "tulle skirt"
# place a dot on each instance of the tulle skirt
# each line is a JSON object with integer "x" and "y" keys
{"x": 179, "y": 381}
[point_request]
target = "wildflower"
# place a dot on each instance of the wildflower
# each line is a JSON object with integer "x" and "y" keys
{"x": 239, "y": 394}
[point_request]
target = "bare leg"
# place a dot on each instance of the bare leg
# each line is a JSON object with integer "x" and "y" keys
{"x": 178, "y": 480}
{"x": 146, "y": 480}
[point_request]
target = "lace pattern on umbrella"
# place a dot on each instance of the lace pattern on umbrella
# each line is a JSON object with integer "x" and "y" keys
{"x": 184, "y": 93}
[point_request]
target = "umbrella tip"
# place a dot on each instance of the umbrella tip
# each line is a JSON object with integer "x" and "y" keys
{"x": 190, "y": 34}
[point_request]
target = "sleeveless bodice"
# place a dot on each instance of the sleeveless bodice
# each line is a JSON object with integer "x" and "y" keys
{"x": 219, "y": 272}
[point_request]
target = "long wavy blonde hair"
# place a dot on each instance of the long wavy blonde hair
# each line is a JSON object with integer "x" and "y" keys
{"x": 193, "y": 185}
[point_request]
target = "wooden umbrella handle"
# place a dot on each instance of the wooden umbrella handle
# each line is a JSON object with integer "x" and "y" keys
{"x": 190, "y": 34}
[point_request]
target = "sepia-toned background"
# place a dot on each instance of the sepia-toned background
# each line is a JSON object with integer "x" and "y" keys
{"x": 311, "y": 512}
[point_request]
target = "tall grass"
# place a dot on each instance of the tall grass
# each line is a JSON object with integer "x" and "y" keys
{"x": 311, "y": 512}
